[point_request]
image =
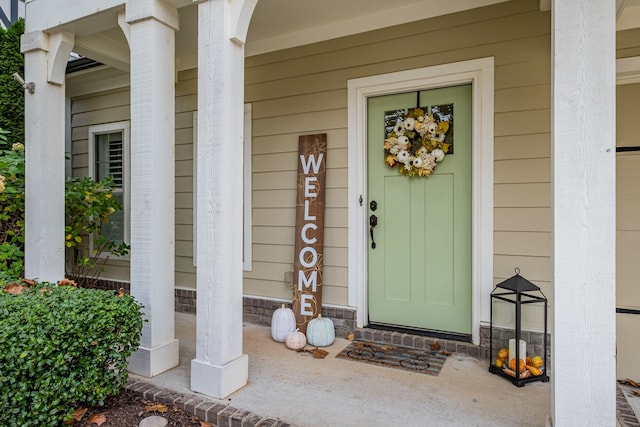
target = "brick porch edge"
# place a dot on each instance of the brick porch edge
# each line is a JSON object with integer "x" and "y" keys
{"x": 216, "y": 414}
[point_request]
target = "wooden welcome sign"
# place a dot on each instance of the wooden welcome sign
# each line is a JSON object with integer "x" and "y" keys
{"x": 307, "y": 271}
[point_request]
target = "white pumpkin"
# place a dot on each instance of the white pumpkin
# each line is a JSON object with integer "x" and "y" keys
{"x": 321, "y": 332}
{"x": 283, "y": 322}
{"x": 296, "y": 340}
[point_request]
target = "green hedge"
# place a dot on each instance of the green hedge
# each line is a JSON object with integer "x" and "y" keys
{"x": 11, "y": 93}
{"x": 62, "y": 348}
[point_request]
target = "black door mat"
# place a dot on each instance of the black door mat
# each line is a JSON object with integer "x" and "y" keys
{"x": 394, "y": 356}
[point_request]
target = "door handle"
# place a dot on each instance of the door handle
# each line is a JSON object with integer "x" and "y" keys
{"x": 373, "y": 221}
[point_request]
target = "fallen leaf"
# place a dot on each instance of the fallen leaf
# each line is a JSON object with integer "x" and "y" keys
{"x": 635, "y": 393}
{"x": 205, "y": 424}
{"x": 435, "y": 346}
{"x": 158, "y": 407}
{"x": 67, "y": 282}
{"x": 351, "y": 336}
{"x": 15, "y": 289}
{"x": 319, "y": 353}
{"x": 120, "y": 292}
{"x": 79, "y": 413}
{"x": 446, "y": 353}
{"x": 77, "y": 416}
{"x": 97, "y": 419}
{"x": 28, "y": 282}
{"x": 387, "y": 347}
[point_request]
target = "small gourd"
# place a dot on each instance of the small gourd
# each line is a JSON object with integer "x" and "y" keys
{"x": 321, "y": 332}
{"x": 296, "y": 340}
{"x": 283, "y": 323}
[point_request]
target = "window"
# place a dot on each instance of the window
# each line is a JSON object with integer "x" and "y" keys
{"x": 109, "y": 156}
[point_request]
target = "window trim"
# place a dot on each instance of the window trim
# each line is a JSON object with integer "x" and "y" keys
{"x": 95, "y": 130}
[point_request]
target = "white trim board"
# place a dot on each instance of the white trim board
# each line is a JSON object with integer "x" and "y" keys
{"x": 478, "y": 72}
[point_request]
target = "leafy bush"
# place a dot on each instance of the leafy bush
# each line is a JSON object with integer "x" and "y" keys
{"x": 11, "y": 93}
{"x": 88, "y": 205}
{"x": 11, "y": 210}
{"x": 62, "y": 347}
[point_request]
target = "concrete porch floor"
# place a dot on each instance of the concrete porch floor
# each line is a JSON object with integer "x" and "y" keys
{"x": 303, "y": 391}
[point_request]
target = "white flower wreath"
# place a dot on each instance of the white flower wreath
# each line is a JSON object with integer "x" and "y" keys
{"x": 416, "y": 143}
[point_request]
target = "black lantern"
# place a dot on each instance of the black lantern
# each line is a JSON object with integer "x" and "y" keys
{"x": 518, "y": 291}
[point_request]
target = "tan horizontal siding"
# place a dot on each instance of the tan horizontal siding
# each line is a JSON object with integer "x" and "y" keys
{"x": 303, "y": 90}
{"x": 533, "y": 268}
{"x": 628, "y": 213}
{"x": 522, "y": 219}
{"x": 627, "y": 44}
{"x": 528, "y": 146}
{"x": 277, "y": 235}
{"x": 522, "y": 171}
{"x": 628, "y": 269}
{"x": 106, "y": 107}
{"x": 521, "y": 243}
{"x": 113, "y": 106}
{"x": 277, "y": 289}
{"x": 534, "y": 195}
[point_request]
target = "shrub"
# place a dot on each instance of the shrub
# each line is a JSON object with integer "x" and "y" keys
{"x": 11, "y": 210}
{"x": 60, "y": 348}
{"x": 11, "y": 93}
{"x": 88, "y": 205}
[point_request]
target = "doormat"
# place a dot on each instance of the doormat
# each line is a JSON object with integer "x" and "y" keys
{"x": 393, "y": 356}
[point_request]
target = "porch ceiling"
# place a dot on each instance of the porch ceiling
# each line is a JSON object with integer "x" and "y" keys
{"x": 275, "y": 25}
{"x": 280, "y": 24}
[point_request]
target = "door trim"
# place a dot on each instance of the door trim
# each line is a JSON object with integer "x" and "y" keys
{"x": 478, "y": 72}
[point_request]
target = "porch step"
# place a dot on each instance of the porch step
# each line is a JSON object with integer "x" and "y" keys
{"x": 417, "y": 341}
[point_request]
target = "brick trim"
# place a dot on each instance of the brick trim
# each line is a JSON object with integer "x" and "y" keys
{"x": 205, "y": 410}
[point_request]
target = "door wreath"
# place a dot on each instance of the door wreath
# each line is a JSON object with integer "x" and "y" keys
{"x": 416, "y": 143}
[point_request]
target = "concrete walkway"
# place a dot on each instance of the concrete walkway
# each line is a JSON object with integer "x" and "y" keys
{"x": 303, "y": 391}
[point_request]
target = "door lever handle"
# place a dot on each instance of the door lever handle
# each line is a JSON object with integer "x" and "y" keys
{"x": 373, "y": 221}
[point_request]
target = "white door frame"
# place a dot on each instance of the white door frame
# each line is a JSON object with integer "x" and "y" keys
{"x": 478, "y": 72}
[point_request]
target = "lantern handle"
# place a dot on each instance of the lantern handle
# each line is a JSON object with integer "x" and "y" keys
{"x": 517, "y": 270}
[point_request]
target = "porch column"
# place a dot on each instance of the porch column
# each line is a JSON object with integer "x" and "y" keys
{"x": 45, "y": 63}
{"x": 220, "y": 368}
{"x": 583, "y": 368}
{"x": 151, "y": 35}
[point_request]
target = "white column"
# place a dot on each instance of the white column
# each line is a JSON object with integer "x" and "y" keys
{"x": 45, "y": 61}
{"x": 220, "y": 368}
{"x": 583, "y": 369}
{"x": 151, "y": 34}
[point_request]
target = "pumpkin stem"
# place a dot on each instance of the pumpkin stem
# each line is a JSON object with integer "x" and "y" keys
{"x": 282, "y": 305}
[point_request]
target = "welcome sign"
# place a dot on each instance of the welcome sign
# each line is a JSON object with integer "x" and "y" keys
{"x": 307, "y": 271}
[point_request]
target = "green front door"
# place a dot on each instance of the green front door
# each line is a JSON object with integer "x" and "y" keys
{"x": 420, "y": 268}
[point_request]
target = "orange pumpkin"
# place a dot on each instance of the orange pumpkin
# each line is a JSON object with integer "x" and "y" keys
{"x": 503, "y": 354}
{"x": 512, "y": 365}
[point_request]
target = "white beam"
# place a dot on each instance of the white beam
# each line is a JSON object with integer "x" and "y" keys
{"x": 47, "y": 14}
{"x": 152, "y": 189}
{"x": 45, "y": 144}
{"x": 219, "y": 368}
{"x": 584, "y": 82}
{"x": 60, "y": 46}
